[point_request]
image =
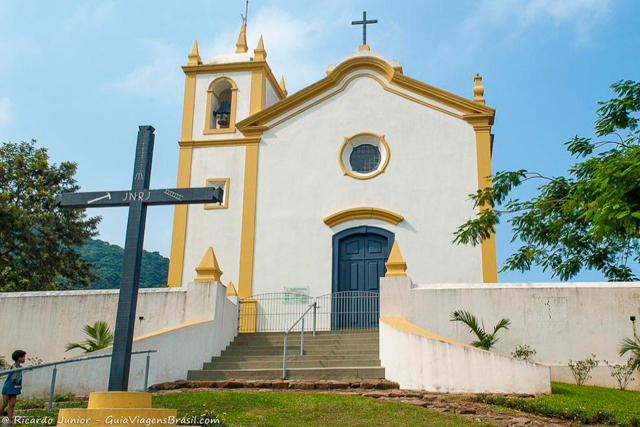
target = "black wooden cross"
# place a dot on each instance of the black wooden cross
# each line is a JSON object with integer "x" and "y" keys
{"x": 137, "y": 199}
{"x": 364, "y": 23}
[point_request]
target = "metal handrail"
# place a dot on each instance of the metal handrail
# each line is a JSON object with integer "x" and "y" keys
{"x": 80, "y": 359}
{"x": 286, "y": 336}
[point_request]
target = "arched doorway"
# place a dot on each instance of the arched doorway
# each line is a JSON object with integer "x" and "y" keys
{"x": 359, "y": 256}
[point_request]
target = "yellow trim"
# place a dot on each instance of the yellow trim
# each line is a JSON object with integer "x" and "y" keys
{"x": 402, "y": 324}
{"x": 373, "y": 174}
{"x": 482, "y": 127}
{"x": 465, "y": 106}
{"x": 226, "y": 142}
{"x": 236, "y": 67}
{"x": 247, "y": 238}
{"x": 247, "y": 322}
{"x": 395, "y": 265}
{"x": 171, "y": 328}
{"x": 363, "y": 213}
{"x": 179, "y": 234}
{"x": 232, "y": 117}
{"x": 225, "y": 202}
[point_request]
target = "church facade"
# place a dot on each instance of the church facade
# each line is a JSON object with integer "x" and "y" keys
{"x": 319, "y": 184}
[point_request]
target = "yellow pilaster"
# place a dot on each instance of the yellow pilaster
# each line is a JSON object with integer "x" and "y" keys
{"x": 178, "y": 238}
{"x": 247, "y": 238}
{"x": 482, "y": 127}
{"x": 118, "y": 408}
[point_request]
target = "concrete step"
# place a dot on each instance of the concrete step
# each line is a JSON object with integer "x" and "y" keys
{"x": 328, "y": 333}
{"x": 313, "y": 344}
{"x": 290, "y": 356}
{"x": 264, "y": 336}
{"x": 300, "y": 363}
{"x": 292, "y": 374}
{"x": 273, "y": 351}
{"x": 310, "y": 339}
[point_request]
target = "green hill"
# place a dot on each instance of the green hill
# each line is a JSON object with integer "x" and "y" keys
{"x": 107, "y": 261}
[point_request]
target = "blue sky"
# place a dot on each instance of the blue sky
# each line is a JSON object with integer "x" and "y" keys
{"x": 80, "y": 76}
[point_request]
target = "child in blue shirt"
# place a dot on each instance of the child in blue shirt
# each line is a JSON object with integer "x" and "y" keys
{"x": 13, "y": 384}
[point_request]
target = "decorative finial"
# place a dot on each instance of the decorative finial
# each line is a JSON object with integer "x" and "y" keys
{"x": 478, "y": 89}
{"x": 396, "y": 267}
{"x": 208, "y": 270}
{"x": 231, "y": 290}
{"x": 241, "y": 44}
{"x": 194, "y": 56}
{"x": 282, "y": 86}
{"x": 260, "y": 53}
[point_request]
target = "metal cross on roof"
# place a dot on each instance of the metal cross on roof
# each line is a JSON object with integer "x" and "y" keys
{"x": 137, "y": 199}
{"x": 364, "y": 23}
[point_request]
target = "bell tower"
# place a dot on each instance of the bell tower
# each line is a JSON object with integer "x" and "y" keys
{"x": 220, "y": 92}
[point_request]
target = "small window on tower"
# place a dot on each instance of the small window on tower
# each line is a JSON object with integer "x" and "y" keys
{"x": 221, "y": 106}
{"x": 219, "y": 183}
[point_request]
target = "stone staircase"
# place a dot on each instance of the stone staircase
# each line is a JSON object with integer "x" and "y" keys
{"x": 330, "y": 355}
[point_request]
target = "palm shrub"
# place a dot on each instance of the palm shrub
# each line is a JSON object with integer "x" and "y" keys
{"x": 629, "y": 345}
{"x": 485, "y": 340}
{"x": 99, "y": 337}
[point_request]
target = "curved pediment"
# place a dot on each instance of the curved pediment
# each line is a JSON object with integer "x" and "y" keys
{"x": 363, "y": 213}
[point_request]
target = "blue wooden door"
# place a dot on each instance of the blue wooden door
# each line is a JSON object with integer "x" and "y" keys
{"x": 361, "y": 262}
{"x": 361, "y": 255}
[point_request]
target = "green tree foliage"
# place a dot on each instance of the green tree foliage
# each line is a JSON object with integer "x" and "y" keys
{"x": 107, "y": 265}
{"x": 99, "y": 337}
{"x": 485, "y": 340}
{"x": 589, "y": 219}
{"x": 37, "y": 239}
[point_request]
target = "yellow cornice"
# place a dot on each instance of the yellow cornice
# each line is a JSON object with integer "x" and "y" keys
{"x": 466, "y": 106}
{"x": 480, "y": 122}
{"x": 226, "y": 142}
{"x": 363, "y": 213}
{"x": 236, "y": 67}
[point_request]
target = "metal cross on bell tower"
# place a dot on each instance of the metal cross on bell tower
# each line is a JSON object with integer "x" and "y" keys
{"x": 364, "y": 23}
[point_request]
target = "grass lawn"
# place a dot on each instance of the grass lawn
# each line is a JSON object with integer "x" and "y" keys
{"x": 270, "y": 408}
{"x": 571, "y": 399}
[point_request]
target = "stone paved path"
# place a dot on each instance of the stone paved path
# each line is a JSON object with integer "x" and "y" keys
{"x": 387, "y": 391}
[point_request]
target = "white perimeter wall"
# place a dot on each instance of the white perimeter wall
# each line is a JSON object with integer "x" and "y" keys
{"x": 43, "y": 323}
{"x": 431, "y": 172}
{"x": 561, "y": 321}
{"x": 179, "y": 349}
{"x": 425, "y": 363}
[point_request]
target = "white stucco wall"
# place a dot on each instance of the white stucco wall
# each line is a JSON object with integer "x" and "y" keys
{"x": 432, "y": 170}
{"x": 561, "y": 321}
{"x": 179, "y": 349}
{"x": 43, "y": 323}
{"x": 242, "y": 80}
{"x": 270, "y": 94}
{"x": 424, "y": 363}
{"x": 219, "y": 228}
